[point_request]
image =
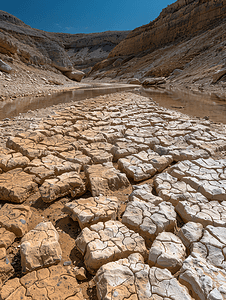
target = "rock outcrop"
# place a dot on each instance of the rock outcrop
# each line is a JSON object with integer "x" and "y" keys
{"x": 61, "y": 51}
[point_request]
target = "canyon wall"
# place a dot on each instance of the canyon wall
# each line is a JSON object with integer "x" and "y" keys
{"x": 178, "y": 21}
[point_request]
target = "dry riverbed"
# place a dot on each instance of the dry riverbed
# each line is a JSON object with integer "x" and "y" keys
{"x": 112, "y": 197}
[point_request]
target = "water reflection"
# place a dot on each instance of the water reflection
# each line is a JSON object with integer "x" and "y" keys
{"x": 11, "y": 108}
{"x": 197, "y": 105}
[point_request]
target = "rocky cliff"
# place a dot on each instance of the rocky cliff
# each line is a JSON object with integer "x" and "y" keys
{"x": 59, "y": 50}
{"x": 186, "y": 44}
{"x": 179, "y": 21}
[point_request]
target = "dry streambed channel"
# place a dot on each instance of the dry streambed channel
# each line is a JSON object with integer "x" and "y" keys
{"x": 112, "y": 197}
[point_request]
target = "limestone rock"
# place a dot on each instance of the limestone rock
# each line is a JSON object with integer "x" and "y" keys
{"x": 49, "y": 167}
{"x": 15, "y": 218}
{"x": 16, "y": 186}
{"x": 167, "y": 251}
{"x": 211, "y": 246}
{"x": 92, "y": 210}
{"x": 75, "y": 75}
{"x": 153, "y": 81}
{"x": 149, "y": 219}
{"x": 134, "y": 81}
{"x": 203, "y": 280}
{"x": 103, "y": 178}
{"x": 190, "y": 204}
{"x": 105, "y": 242}
{"x": 55, "y": 282}
{"x": 130, "y": 278}
{"x": 75, "y": 156}
{"x": 5, "y": 67}
{"x": 143, "y": 165}
{"x": 66, "y": 184}
{"x": 40, "y": 247}
{"x": 189, "y": 233}
{"x": 144, "y": 193}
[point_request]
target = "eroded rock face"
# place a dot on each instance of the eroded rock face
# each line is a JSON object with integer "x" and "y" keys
{"x": 105, "y": 242}
{"x": 130, "y": 278}
{"x": 16, "y": 186}
{"x": 92, "y": 210}
{"x": 40, "y": 247}
{"x": 103, "y": 178}
{"x": 55, "y": 282}
{"x": 15, "y": 218}
{"x": 167, "y": 251}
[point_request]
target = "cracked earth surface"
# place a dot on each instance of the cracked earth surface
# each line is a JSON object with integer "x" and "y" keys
{"x": 112, "y": 198}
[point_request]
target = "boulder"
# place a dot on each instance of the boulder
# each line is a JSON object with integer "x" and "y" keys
{"x": 75, "y": 75}
{"x": 40, "y": 247}
{"x": 153, "y": 81}
{"x": 5, "y": 67}
{"x": 134, "y": 81}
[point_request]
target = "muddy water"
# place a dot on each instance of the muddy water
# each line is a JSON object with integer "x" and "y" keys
{"x": 198, "y": 105}
{"x": 193, "y": 104}
{"x": 12, "y": 108}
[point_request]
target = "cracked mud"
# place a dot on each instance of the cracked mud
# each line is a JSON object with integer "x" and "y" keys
{"x": 112, "y": 198}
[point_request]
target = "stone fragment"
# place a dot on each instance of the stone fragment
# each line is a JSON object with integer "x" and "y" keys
{"x": 27, "y": 147}
{"x": 130, "y": 278}
{"x": 144, "y": 165}
{"x": 191, "y": 205}
{"x": 75, "y": 75}
{"x": 92, "y": 210}
{"x": 9, "y": 161}
{"x": 65, "y": 184}
{"x": 6, "y": 238}
{"x": 167, "y": 251}
{"x": 15, "y": 218}
{"x": 55, "y": 282}
{"x": 212, "y": 246}
{"x": 80, "y": 273}
{"x": 6, "y": 269}
{"x": 75, "y": 156}
{"x": 189, "y": 233}
{"x": 103, "y": 178}
{"x": 50, "y": 166}
{"x": 16, "y": 186}
{"x": 109, "y": 241}
{"x": 149, "y": 219}
{"x": 154, "y": 81}
{"x": 203, "y": 280}
{"x": 40, "y": 247}
{"x": 144, "y": 193}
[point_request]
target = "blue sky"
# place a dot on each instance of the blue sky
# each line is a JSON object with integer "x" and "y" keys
{"x": 73, "y": 16}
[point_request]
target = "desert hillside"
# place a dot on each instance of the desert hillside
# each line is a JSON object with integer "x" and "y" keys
{"x": 34, "y": 54}
{"x": 185, "y": 44}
